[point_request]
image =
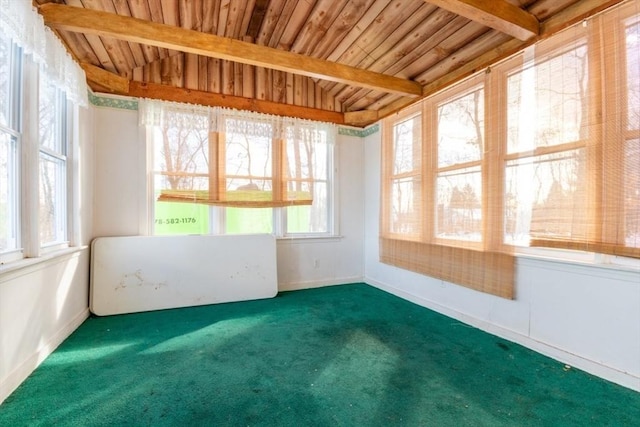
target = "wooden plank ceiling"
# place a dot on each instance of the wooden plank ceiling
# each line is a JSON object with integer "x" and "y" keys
{"x": 344, "y": 61}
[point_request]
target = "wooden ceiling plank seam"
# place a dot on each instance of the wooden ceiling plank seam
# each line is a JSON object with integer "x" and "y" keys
{"x": 168, "y": 93}
{"x": 223, "y": 16}
{"x": 348, "y": 18}
{"x": 157, "y": 15}
{"x": 452, "y": 45}
{"x": 411, "y": 27}
{"x": 209, "y": 14}
{"x": 378, "y": 36}
{"x": 234, "y": 20}
{"x": 269, "y": 22}
{"x": 214, "y": 75}
{"x": 203, "y": 73}
{"x": 96, "y": 45}
{"x": 246, "y": 14}
{"x": 379, "y": 31}
{"x": 431, "y": 48}
{"x": 83, "y": 20}
{"x": 490, "y": 41}
{"x": 186, "y": 12}
{"x": 140, "y": 9}
{"x": 170, "y": 16}
{"x": 392, "y": 61}
{"x": 287, "y": 32}
{"x": 80, "y": 48}
{"x": 497, "y": 14}
{"x": 258, "y": 15}
{"x": 121, "y": 7}
{"x": 315, "y": 28}
{"x": 356, "y": 31}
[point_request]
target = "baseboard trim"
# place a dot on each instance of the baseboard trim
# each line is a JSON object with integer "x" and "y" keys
{"x": 12, "y": 381}
{"x": 606, "y": 372}
{"x": 295, "y": 286}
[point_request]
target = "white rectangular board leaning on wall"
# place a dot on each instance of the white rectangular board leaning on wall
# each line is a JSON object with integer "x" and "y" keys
{"x": 144, "y": 273}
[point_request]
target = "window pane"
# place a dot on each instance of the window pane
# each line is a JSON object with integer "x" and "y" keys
{"x": 405, "y": 206}
{"x": 310, "y": 219}
{"x": 547, "y": 102}
{"x": 407, "y": 142}
{"x": 633, "y": 76}
{"x": 8, "y": 193}
{"x": 5, "y": 68}
{"x": 181, "y": 162}
{"x": 248, "y": 160}
{"x": 248, "y": 220}
{"x": 545, "y": 197}
{"x": 50, "y": 119}
{"x": 459, "y": 205}
{"x": 461, "y": 129}
{"x": 632, "y": 193}
{"x": 52, "y": 215}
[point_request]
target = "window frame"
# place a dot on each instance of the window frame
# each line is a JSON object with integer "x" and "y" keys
{"x": 13, "y": 129}
{"x": 609, "y": 27}
{"x": 218, "y": 214}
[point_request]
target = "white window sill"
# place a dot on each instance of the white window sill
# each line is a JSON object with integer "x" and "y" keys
{"x": 593, "y": 264}
{"x": 13, "y": 269}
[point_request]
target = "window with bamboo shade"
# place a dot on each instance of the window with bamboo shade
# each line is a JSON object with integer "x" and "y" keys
{"x": 542, "y": 150}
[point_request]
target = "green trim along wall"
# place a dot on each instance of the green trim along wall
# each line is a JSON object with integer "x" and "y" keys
{"x": 124, "y": 103}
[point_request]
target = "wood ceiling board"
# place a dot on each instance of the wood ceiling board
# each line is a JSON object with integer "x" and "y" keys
{"x": 133, "y": 30}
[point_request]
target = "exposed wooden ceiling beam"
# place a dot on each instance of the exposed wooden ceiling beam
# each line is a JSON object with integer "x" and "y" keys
{"x": 497, "y": 14}
{"x": 110, "y": 81}
{"x": 176, "y": 94}
{"x": 130, "y": 29}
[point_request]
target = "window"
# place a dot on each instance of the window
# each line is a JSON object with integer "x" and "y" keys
{"x": 219, "y": 171}
{"x": 458, "y": 146}
{"x": 52, "y": 125}
{"x": 543, "y": 150}
{"x": 10, "y": 72}
{"x": 39, "y": 85}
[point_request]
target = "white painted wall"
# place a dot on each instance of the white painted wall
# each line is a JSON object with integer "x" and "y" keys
{"x": 585, "y": 315}
{"x": 42, "y": 301}
{"x": 120, "y": 204}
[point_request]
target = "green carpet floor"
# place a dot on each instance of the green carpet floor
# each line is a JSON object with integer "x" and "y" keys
{"x": 340, "y": 356}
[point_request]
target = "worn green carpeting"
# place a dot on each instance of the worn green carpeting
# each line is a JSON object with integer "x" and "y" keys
{"x": 341, "y": 356}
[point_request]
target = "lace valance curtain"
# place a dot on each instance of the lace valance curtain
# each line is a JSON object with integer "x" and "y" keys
{"x": 231, "y": 158}
{"x": 21, "y": 23}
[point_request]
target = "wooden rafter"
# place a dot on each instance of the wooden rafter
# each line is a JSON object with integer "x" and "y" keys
{"x": 130, "y": 29}
{"x": 497, "y": 14}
